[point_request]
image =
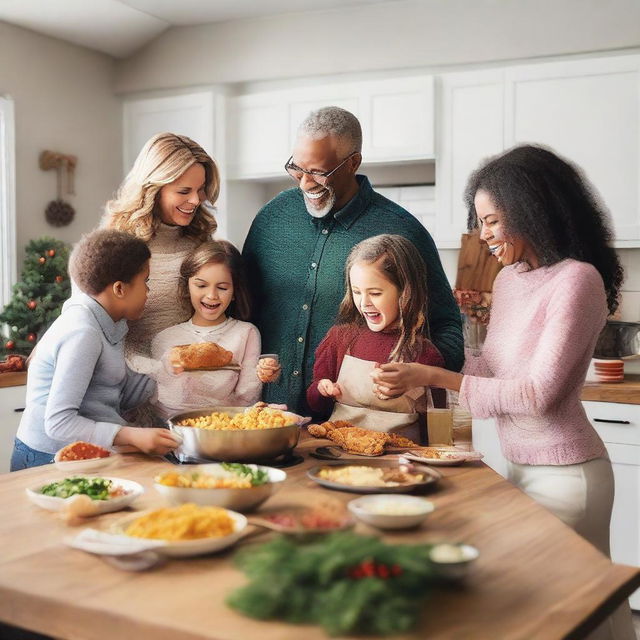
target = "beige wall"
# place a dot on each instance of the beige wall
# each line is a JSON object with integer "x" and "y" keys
{"x": 64, "y": 101}
{"x": 391, "y": 35}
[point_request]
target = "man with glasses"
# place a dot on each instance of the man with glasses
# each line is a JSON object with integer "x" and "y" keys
{"x": 295, "y": 258}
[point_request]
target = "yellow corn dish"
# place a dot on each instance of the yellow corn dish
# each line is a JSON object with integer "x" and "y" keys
{"x": 255, "y": 418}
{"x": 186, "y": 522}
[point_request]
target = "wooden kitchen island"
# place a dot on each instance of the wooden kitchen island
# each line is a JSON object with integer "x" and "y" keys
{"x": 535, "y": 577}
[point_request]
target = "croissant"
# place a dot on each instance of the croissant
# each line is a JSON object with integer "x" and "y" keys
{"x": 202, "y": 355}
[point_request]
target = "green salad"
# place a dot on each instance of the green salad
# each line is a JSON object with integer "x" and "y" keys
{"x": 256, "y": 476}
{"x": 95, "y": 488}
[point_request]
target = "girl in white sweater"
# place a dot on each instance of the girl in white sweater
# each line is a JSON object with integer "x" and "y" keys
{"x": 212, "y": 278}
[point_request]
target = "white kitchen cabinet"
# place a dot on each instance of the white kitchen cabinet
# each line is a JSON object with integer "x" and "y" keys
{"x": 587, "y": 110}
{"x": 470, "y": 128}
{"x": 619, "y": 426}
{"x": 11, "y": 398}
{"x": 396, "y": 115}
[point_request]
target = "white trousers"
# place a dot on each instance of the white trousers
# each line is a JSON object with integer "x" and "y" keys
{"x": 581, "y": 495}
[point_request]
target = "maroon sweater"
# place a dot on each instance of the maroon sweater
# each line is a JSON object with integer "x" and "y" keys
{"x": 360, "y": 342}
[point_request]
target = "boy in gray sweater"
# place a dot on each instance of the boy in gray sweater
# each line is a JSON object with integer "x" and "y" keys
{"x": 79, "y": 385}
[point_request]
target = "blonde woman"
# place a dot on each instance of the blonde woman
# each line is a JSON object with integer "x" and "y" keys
{"x": 161, "y": 202}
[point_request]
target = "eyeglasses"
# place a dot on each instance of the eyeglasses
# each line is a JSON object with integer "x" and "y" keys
{"x": 321, "y": 177}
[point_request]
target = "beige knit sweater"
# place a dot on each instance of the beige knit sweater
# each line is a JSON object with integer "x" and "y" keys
{"x": 163, "y": 309}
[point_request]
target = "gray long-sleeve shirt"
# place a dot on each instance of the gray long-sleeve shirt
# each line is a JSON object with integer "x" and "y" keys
{"x": 79, "y": 384}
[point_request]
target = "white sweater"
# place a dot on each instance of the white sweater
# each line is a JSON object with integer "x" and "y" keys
{"x": 199, "y": 389}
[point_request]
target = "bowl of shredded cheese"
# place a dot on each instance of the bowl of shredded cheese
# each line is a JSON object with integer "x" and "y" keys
{"x": 236, "y": 434}
{"x": 230, "y": 485}
{"x": 387, "y": 511}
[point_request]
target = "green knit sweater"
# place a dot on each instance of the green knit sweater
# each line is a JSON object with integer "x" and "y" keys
{"x": 296, "y": 269}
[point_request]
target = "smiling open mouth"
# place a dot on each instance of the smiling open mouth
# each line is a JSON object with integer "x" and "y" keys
{"x": 372, "y": 316}
{"x": 211, "y": 307}
{"x": 186, "y": 212}
{"x": 316, "y": 195}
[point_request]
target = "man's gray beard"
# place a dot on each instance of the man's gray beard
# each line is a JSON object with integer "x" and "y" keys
{"x": 321, "y": 213}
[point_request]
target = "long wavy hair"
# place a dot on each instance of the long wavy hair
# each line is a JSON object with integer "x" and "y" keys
{"x": 547, "y": 201}
{"x": 218, "y": 252}
{"x": 162, "y": 160}
{"x": 401, "y": 263}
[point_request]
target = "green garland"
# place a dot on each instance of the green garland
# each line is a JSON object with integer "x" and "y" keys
{"x": 347, "y": 583}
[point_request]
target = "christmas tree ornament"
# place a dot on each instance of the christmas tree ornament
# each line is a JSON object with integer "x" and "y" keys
{"x": 59, "y": 279}
{"x": 42, "y": 259}
{"x": 10, "y": 345}
{"x": 51, "y": 253}
{"x": 31, "y": 337}
{"x": 32, "y": 304}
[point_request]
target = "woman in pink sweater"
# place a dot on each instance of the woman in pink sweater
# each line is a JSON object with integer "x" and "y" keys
{"x": 550, "y": 302}
{"x": 561, "y": 279}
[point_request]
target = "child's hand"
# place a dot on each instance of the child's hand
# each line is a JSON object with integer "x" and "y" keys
{"x": 329, "y": 389}
{"x": 395, "y": 378}
{"x": 170, "y": 364}
{"x": 150, "y": 440}
{"x": 268, "y": 370}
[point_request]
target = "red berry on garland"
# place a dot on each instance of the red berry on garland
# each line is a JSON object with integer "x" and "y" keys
{"x": 51, "y": 253}
{"x": 31, "y": 337}
{"x": 42, "y": 259}
{"x": 32, "y": 304}
{"x": 59, "y": 279}
{"x": 9, "y": 344}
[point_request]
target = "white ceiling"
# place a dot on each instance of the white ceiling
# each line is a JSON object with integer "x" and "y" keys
{"x": 120, "y": 27}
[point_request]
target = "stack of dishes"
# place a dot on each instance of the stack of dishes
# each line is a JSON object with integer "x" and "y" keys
{"x": 609, "y": 370}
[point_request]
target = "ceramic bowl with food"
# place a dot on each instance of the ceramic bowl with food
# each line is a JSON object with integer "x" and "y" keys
{"x": 387, "y": 511}
{"x": 233, "y": 486}
{"x": 80, "y": 457}
{"x": 452, "y": 561}
{"x": 205, "y": 438}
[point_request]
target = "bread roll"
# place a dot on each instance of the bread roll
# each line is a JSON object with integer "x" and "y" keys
{"x": 202, "y": 355}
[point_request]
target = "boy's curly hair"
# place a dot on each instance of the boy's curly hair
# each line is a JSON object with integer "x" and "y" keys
{"x": 106, "y": 256}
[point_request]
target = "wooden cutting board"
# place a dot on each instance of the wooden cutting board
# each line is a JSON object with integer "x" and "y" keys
{"x": 477, "y": 268}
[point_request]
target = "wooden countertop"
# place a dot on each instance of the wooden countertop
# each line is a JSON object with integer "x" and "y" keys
{"x": 627, "y": 391}
{"x": 13, "y": 379}
{"x": 535, "y": 577}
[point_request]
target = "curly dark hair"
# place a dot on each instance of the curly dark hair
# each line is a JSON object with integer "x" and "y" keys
{"x": 106, "y": 256}
{"x": 219, "y": 252}
{"x": 547, "y": 201}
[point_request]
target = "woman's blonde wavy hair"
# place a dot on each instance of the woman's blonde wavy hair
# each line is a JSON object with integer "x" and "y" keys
{"x": 162, "y": 160}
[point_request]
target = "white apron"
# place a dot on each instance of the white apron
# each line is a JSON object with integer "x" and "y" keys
{"x": 361, "y": 407}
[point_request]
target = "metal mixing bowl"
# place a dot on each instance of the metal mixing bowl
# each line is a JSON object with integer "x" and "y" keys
{"x": 618, "y": 340}
{"x": 234, "y": 445}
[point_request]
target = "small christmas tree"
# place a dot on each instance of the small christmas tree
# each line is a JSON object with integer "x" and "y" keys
{"x": 38, "y": 297}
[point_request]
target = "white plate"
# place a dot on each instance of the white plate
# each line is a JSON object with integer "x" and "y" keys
{"x": 82, "y": 466}
{"x": 187, "y": 548}
{"x": 52, "y": 503}
{"x": 454, "y": 458}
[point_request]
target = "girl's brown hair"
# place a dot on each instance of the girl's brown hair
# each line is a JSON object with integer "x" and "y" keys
{"x": 401, "y": 263}
{"x": 162, "y": 160}
{"x": 219, "y": 252}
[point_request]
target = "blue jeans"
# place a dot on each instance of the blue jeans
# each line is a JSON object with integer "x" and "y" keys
{"x": 24, "y": 457}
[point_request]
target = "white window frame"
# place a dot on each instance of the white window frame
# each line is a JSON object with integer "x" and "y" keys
{"x": 7, "y": 199}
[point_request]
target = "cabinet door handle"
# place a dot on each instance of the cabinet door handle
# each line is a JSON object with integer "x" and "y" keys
{"x": 612, "y": 421}
{"x": 18, "y": 410}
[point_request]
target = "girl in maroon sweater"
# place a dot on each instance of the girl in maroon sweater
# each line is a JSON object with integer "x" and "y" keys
{"x": 381, "y": 319}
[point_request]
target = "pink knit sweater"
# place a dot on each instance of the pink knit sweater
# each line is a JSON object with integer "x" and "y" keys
{"x": 543, "y": 330}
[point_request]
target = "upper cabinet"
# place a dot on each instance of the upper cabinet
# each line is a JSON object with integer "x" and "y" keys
{"x": 396, "y": 116}
{"x": 587, "y": 110}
